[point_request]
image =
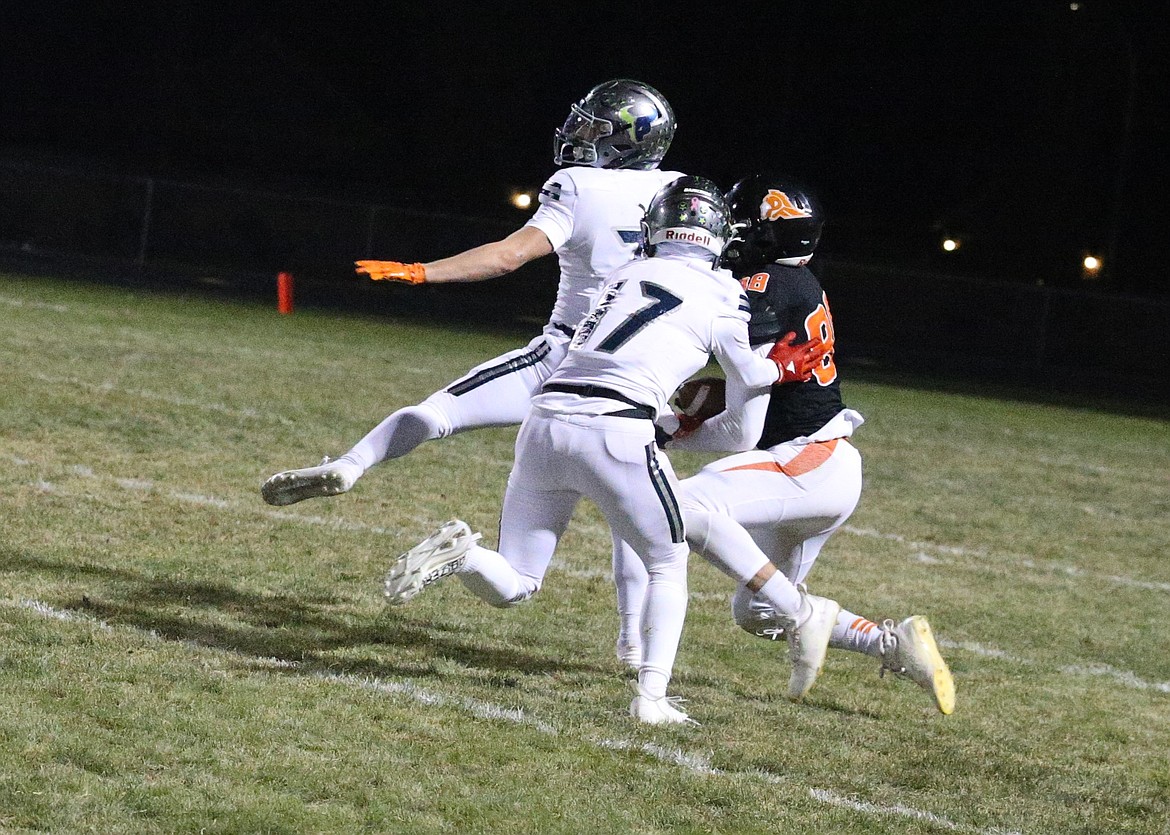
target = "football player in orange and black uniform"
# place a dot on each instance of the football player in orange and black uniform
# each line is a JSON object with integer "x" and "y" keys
{"x": 801, "y": 478}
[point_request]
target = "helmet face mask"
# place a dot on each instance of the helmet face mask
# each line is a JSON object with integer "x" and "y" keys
{"x": 776, "y": 220}
{"x": 577, "y": 140}
{"x": 619, "y": 124}
{"x": 690, "y": 210}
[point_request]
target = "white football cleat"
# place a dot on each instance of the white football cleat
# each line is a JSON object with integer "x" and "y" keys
{"x": 661, "y": 711}
{"x": 439, "y": 555}
{"x": 910, "y": 651}
{"x": 330, "y": 478}
{"x": 808, "y": 643}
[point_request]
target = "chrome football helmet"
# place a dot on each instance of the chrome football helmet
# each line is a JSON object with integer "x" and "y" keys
{"x": 689, "y": 210}
{"x": 776, "y": 220}
{"x": 619, "y": 124}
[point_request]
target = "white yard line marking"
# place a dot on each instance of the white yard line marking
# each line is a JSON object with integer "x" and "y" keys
{"x": 985, "y": 651}
{"x": 1120, "y": 676}
{"x": 696, "y": 764}
{"x": 173, "y": 400}
{"x": 898, "y": 811}
{"x": 33, "y": 305}
{"x": 1123, "y": 677}
{"x": 926, "y": 552}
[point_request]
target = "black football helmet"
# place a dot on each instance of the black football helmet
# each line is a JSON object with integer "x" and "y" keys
{"x": 775, "y": 220}
{"x": 619, "y": 124}
{"x": 689, "y": 210}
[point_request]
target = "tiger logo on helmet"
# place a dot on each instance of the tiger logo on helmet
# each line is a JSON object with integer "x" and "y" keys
{"x": 776, "y": 220}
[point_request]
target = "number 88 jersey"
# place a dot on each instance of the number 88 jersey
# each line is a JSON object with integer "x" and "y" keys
{"x": 790, "y": 299}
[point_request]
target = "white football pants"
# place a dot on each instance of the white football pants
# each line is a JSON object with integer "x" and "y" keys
{"x": 612, "y": 461}
{"x": 789, "y": 499}
{"x": 494, "y": 393}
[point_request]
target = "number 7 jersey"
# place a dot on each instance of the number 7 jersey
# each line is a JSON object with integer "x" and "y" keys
{"x": 657, "y": 322}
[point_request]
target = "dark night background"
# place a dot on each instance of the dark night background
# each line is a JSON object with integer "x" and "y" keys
{"x": 1035, "y": 130}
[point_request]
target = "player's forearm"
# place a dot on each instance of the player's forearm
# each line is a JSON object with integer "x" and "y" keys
{"x": 758, "y": 372}
{"x": 722, "y": 433}
{"x": 739, "y": 360}
{"x": 735, "y": 429}
{"x": 483, "y": 262}
{"x": 490, "y": 260}
{"x": 487, "y": 261}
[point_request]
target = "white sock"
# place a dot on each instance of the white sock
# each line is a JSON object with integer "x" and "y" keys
{"x": 781, "y": 594}
{"x": 855, "y": 633}
{"x": 488, "y": 576}
{"x": 663, "y": 615}
{"x": 397, "y": 435}
{"x": 652, "y": 683}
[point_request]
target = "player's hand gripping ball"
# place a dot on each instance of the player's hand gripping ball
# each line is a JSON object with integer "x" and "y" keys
{"x": 701, "y": 398}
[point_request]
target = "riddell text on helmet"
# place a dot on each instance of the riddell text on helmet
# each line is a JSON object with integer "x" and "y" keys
{"x": 696, "y": 237}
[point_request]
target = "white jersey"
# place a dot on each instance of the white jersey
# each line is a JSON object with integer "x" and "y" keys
{"x": 658, "y": 321}
{"x": 592, "y": 217}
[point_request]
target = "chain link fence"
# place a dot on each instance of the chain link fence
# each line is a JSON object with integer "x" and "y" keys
{"x": 911, "y": 320}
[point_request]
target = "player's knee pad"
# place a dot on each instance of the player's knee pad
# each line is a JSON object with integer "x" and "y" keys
{"x": 669, "y": 567}
{"x": 436, "y": 414}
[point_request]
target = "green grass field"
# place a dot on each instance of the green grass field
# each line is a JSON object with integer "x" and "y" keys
{"x": 177, "y": 656}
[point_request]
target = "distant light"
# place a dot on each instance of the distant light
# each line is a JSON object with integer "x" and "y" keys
{"x": 1074, "y": 7}
{"x": 951, "y": 244}
{"x": 1091, "y": 266}
{"x": 521, "y": 200}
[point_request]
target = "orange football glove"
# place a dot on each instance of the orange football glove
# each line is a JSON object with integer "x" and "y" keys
{"x": 796, "y": 362}
{"x": 392, "y": 271}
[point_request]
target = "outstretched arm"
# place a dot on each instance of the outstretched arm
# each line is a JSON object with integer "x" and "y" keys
{"x": 477, "y": 264}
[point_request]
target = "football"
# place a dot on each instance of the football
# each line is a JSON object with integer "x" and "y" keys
{"x": 701, "y": 398}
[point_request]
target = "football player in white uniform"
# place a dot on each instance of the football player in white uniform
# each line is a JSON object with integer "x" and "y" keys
{"x": 611, "y": 145}
{"x": 590, "y": 433}
{"x": 802, "y": 477}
